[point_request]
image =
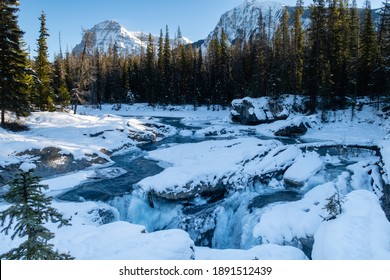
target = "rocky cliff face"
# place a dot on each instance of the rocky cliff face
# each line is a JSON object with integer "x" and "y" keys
{"x": 243, "y": 21}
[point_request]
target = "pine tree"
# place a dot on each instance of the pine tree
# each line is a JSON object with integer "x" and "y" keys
{"x": 282, "y": 55}
{"x": 30, "y": 210}
{"x": 44, "y": 97}
{"x": 354, "y": 42}
{"x": 298, "y": 40}
{"x": 150, "y": 71}
{"x": 167, "y": 77}
{"x": 316, "y": 63}
{"x": 368, "y": 54}
{"x": 61, "y": 91}
{"x": 13, "y": 63}
{"x": 384, "y": 45}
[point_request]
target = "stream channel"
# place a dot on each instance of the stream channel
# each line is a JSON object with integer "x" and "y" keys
{"x": 222, "y": 220}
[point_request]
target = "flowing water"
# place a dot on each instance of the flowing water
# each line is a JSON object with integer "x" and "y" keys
{"x": 222, "y": 220}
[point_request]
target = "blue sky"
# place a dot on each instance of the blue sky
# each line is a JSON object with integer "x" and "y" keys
{"x": 195, "y": 17}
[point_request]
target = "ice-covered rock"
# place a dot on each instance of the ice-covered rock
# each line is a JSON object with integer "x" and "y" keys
{"x": 292, "y": 130}
{"x": 205, "y": 167}
{"x": 284, "y": 223}
{"x": 251, "y": 111}
{"x": 305, "y": 166}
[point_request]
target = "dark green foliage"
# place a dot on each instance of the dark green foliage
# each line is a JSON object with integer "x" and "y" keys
{"x": 13, "y": 63}
{"x": 334, "y": 206}
{"x": 30, "y": 210}
{"x": 43, "y": 98}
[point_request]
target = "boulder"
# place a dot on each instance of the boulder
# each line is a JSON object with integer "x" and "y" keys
{"x": 292, "y": 130}
{"x": 50, "y": 161}
{"x": 190, "y": 191}
{"x": 251, "y": 111}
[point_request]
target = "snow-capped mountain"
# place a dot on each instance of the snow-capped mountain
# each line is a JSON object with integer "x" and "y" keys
{"x": 108, "y": 32}
{"x": 243, "y": 20}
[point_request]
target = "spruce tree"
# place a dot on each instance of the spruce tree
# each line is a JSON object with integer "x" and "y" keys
{"x": 45, "y": 96}
{"x": 167, "y": 77}
{"x": 30, "y": 210}
{"x": 368, "y": 54}
{"x": 298, "y": 41}
{"x": 13, "y": 63}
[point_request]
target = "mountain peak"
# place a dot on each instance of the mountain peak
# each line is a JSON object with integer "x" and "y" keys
{"x": 109, "y": 32}
{"x": 244, "y": 19}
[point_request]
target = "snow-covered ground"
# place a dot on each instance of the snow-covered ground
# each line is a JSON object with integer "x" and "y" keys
{"x": 246, "y": 161}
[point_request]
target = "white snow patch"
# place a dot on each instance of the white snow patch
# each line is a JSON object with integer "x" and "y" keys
{"x": 305, "y": 166}
{"x": 360, "y": 232}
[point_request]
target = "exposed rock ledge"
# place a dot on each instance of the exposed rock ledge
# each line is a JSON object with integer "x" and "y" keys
{"x": 50, "y": 161}
{"x": 251, "y": 111}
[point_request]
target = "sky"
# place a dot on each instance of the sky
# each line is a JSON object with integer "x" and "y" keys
{"x": 196, "y": 18}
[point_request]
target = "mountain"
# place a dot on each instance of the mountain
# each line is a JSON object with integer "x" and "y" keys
{"x": 106, "y": 33}
{"x": 243, "y": 20}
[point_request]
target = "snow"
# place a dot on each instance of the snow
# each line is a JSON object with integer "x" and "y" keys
{"x": 211, "y": 162}
{"x": 89, "y": 238}
{"x": 305, "y": 166}
{"x": 385, "y": 153}
{"x": 282, "y": 223}
{"x": 26, "y": 166}
{"x": 360, "y": 232}
{"x": 225, "y": 153}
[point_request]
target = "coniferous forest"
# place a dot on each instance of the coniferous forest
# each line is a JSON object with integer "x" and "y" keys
{"x": 341, "y": 55}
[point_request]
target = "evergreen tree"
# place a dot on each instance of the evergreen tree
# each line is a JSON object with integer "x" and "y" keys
{"x": 150, "y": 71}
{"x": 114, "y": 86}
{"x": 316, "y": 63}
{"x": 45, "y": 95}
{"x": 298, "y": 41}
{"x": 354, "y": 42}
{"x": 384, "y": 45}
{"x": 368, "y": 54}
{"x": 167, "y": 76}
{"x": 61, "y": 91}
{"x": 30, "y": 209}
{"x": 13, "y": 63}
{"x": 282, "y": 71}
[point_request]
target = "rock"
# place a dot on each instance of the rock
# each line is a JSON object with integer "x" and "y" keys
{"x": 189, "y": 192}
{"x": 292, "y": 131}
{"x": 263, "y": 200}
{"x": 252, "y": 111}
{"x": 305, "y": 166}
{"x": 49, "y": 162}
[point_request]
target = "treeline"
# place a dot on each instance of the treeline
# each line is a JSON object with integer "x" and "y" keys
{"x": 340, "y": 56}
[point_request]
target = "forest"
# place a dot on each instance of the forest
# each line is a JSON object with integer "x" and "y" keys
{"x": 343, "y": 54}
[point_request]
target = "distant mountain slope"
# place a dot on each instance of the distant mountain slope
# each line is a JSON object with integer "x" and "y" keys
{"x": 106, "y": 33}
{"x": 243, "y": 20}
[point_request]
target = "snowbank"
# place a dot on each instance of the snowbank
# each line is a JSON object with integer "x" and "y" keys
{"x": 207, "y": 164}
{"x": 282, "y": 223}
{"x": 361, "y": 231}
{"x": 96, "y": 234}
{"x": 305, "y": 166}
